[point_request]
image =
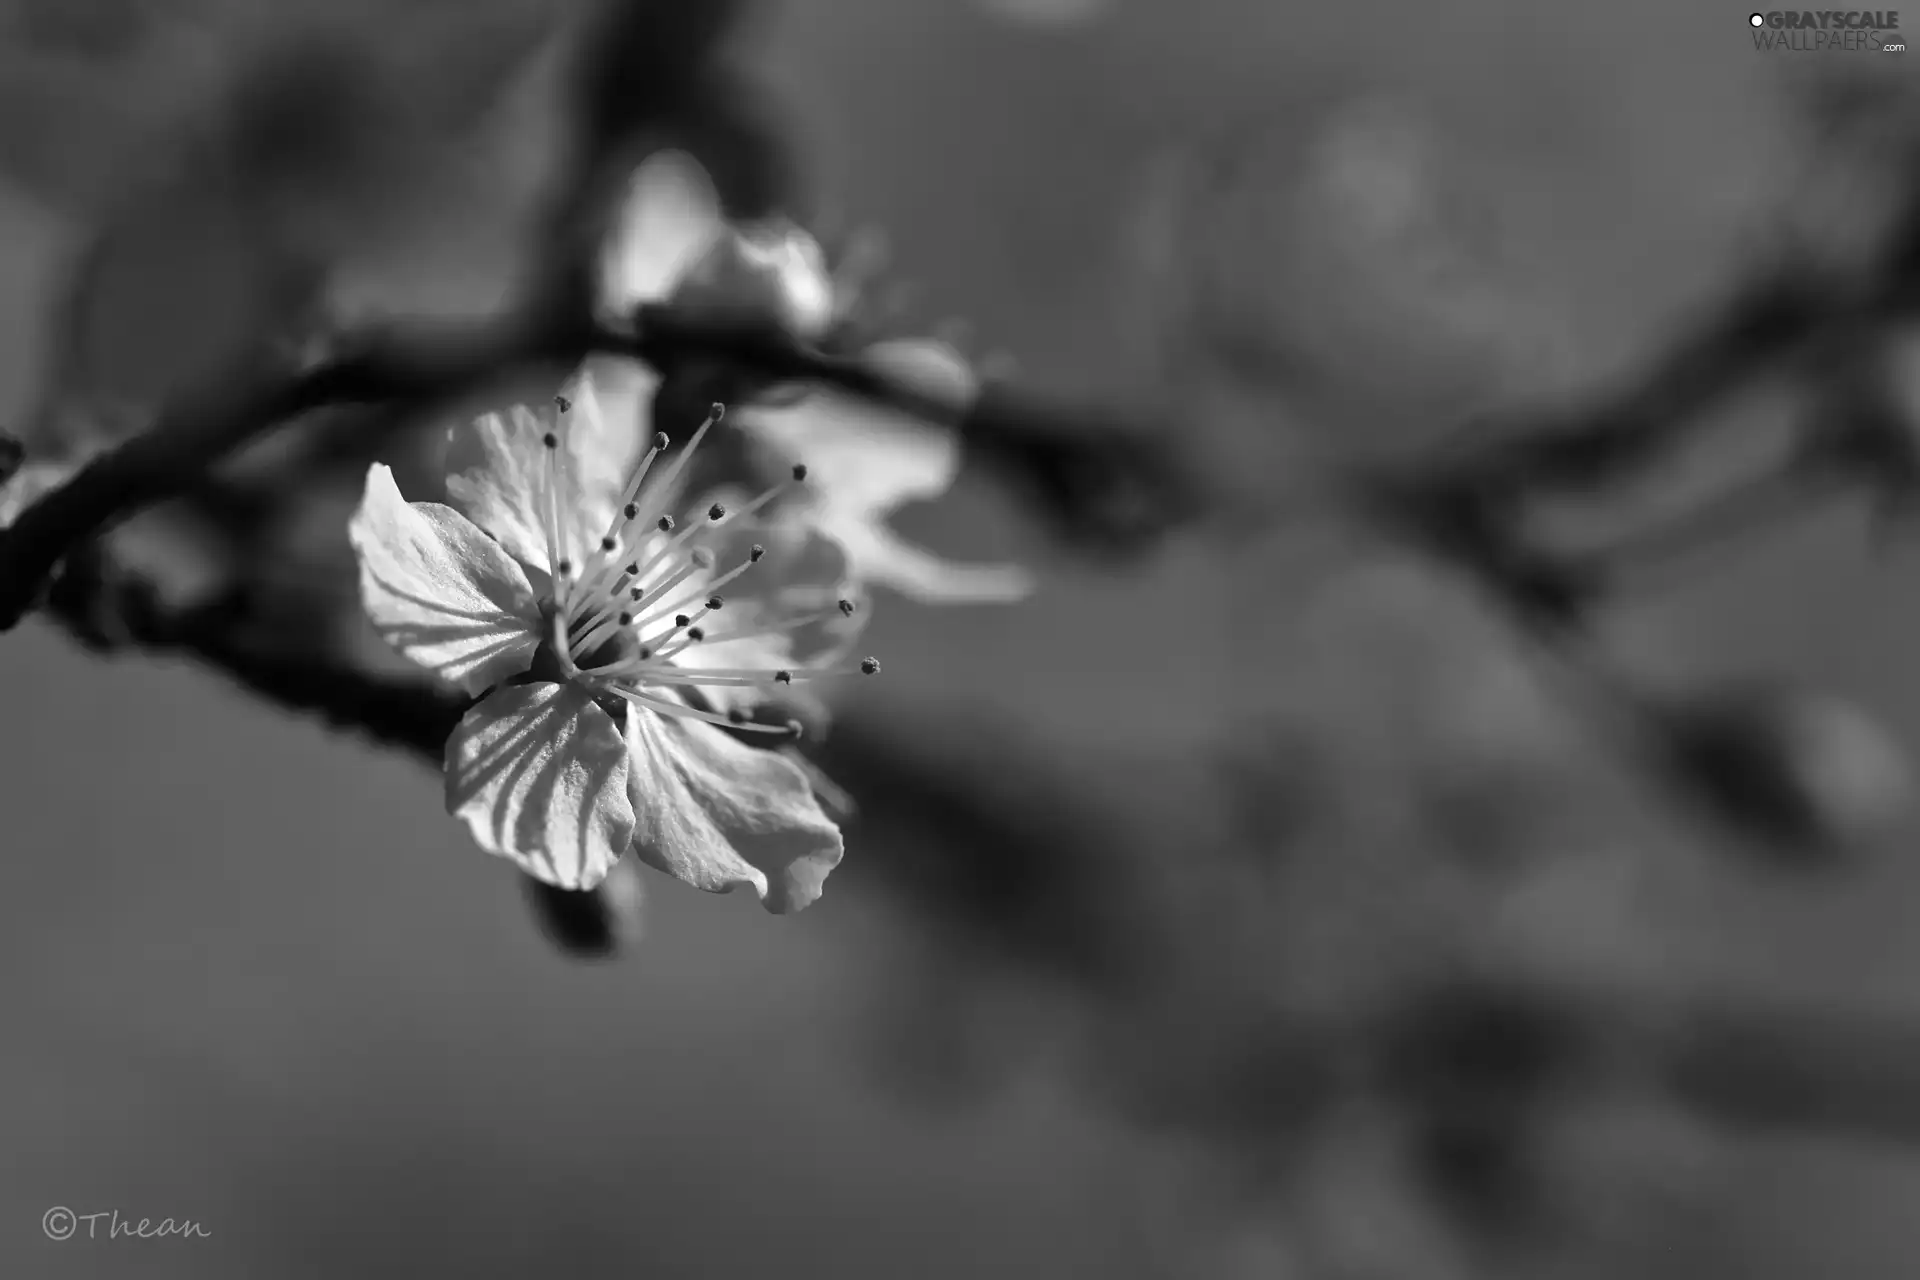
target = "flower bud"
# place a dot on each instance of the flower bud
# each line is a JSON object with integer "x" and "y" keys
{"x": 1802, "y": 774}
{"x": 597, "y": 923}
{"x": 773, "y": 270}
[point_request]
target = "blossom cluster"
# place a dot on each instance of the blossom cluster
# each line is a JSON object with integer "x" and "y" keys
{"x": 627, "y": 634}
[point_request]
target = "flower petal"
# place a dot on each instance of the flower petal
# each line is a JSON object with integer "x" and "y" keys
{"x": 670, "y": 219}
{"x": 498, "y": 470}
{"x": 864, "y": 457}
{"x": 539, "y": 774}
{"x": 439, "y": 590}
{"x": 883, "y": 558}
{"x": 716, "y": 813}
{"x": 497, "y": 478}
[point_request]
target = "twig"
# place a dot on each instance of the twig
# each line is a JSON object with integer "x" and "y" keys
{"x": 214, "y": 421}
{"x": 1078, "y": 462}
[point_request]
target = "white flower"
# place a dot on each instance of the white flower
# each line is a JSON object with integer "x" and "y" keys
{"x": 672, "y": 244}
{"x": 617, "y": 644}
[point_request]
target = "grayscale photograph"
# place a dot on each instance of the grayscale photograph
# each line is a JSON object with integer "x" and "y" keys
{"x": 959, "y": 640}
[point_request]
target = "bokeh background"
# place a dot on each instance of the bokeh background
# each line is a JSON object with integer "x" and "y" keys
{"x": 256, "y": 979}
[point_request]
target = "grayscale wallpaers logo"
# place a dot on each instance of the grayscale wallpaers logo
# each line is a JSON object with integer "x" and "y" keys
{"x": 1828, "y": 30}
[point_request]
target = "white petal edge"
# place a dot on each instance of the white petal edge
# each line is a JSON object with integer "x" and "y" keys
{"x": 882, "y": 558}
{"x": 499, "y": 471}
{"x": 862, "y": 458}
{"x": 440, "y": 591}
{"x": 717, "y": 814}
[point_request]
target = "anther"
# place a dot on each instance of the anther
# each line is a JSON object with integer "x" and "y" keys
{"x": 608, "y": 544}
{"x": 565, "y": 567}
{"x": 783, "y": 677}
{"x": 666, "y": 524}
{"x": 753, "y": 556}
{"x": 716, "y": 512}
{"x": 633, "y": 570}
{"x": 681, "y": 620}
{"x": 661, "y": 440}
{"x": 799, "y": 471}
{"x": 632, "y": 509}
{"x": 635, "y": 593}
{"x": 550, "y": 440}
{"x": 869, "y": 667}
{"x": 563, "y": 403}
{"x": 696, "y": 633}
{"x": 645, "y": 653}
{"x": 626, "y": 619}
{"x": 714, "y": 602}
{"x": 846, "y": 608}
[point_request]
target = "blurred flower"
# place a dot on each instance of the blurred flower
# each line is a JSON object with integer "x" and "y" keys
{"x": 872, "y": 460}
{"x": 556, "y": 578}
{"x": 671, "y": 243}
{"x": 868, "y": 460}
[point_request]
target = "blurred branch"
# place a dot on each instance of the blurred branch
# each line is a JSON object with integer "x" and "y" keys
{"x": 106, "y": 609}
{"x": 1081, "y": 468}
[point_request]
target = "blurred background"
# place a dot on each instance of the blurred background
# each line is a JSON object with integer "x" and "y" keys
{"x": 1297, "y": 788}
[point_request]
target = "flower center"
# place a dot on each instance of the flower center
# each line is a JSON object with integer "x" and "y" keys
{"x": 631, "y": 619}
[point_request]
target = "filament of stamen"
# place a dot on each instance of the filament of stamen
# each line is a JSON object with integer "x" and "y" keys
{"x": 622, "y": 516}
{"x": 612, "y": 604}
{"x": 672, "y": 708}
{"x": 699, "y": 562}
{"x": 772, "y": 628}
{"x": 714, "y": 415}
{"x": 556, "y": 550}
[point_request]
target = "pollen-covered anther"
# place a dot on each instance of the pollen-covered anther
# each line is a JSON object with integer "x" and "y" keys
{"x": 550, "y": 440}
{"x": 753, "y": 556}
{"x": 665, "y": 524}
{"x": 661, "y": 439}
{"x": 682, "y": 620}
{"x": 799, "y": 471}
{"x": 716, "y": 512}
{"x": 783, "y": 677}
{"x": 563, "y": 404}
{"x": 696, "y": 634}
{"x": 608, "y": 544}
{"x": 846, "y": 608}
{"x": 626, "y": 619}
{"x": 869, "y": 666}
{"x": 631, "y": 510}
